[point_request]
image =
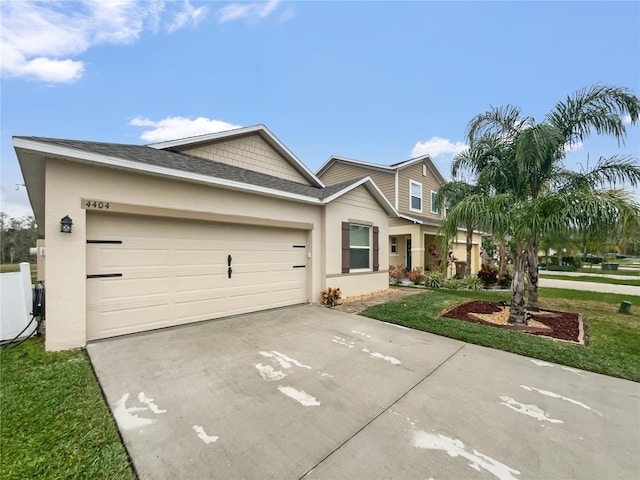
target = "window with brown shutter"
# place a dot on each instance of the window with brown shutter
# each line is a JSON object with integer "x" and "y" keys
{"x": 346, "y": 229}
{"x": 376, "y": 248}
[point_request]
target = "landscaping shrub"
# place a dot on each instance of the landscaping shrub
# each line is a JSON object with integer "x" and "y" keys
{"x": 470, "y": 283}
{"x": 505, "y": 281}
{"x": 450, "y": 283}
{"x": 416, "y": 275}
{"x": 562, "y": 268}
{"x": 397, "y": 273}
{"x": 488, "y": 275}
{"x": 434, "y": 280}
{"x": 331, "y": 296}
{"x": 590, "y": 258}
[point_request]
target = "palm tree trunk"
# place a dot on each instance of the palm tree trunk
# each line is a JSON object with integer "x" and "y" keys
{"x": 467, "y": 267}
{"x": 502, "y": 261}
{"x": 516, "y": 316}
{"x": 532, "y": 261}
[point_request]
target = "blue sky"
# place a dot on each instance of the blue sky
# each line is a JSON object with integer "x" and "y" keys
{"x": 374, "y": 81}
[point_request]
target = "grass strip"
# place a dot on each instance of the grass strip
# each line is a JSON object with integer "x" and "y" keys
{"x": 614, "y": 338}
{"x": 55, "y": 423}
{"x": 613, "y": 281}
{"x": 598, "y": 271}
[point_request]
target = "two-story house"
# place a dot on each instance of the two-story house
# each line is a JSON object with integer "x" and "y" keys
{"x": 410, "y": 186}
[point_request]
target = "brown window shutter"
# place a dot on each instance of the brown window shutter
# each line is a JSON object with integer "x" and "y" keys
{"x": 346, "y": 230}
{"x": 376, "y": 250}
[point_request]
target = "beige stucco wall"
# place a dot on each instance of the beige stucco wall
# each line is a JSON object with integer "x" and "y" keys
{"x": 357, "y": 206}
{"x": 65, "y": 273}
{"x": 250, "y": 152}
{"x": 340, "y": 172}
{"x": 460, "y": 250}
{"x": 429, "y": 184}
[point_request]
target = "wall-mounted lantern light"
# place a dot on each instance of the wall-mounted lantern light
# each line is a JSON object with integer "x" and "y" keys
{"x": 65, "y": 224}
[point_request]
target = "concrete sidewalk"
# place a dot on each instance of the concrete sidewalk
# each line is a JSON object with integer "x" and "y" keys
{"x": 316, "y": 393}
{"x": 588, "y": 286}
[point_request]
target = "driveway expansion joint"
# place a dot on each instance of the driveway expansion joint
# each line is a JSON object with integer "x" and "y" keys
{"x": 384, "y": 410}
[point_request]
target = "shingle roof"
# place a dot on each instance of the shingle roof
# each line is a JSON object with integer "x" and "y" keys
{"x": 424, "y": 220}
{"x": 189, "y": 163}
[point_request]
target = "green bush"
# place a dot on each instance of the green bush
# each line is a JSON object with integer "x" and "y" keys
{"x": 505, "y": 281}
{"x": 434, "y": 280}
{"x": 451, "y": 283}
{"x": 470, "y": 283}
{"x": 562, "y": 268}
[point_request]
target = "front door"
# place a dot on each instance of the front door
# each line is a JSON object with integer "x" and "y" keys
{"x": 409, "y": 253}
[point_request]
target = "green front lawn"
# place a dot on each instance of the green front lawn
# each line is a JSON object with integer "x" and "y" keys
{"x": 614, "y": 338}
{"x": 54, "y": 420}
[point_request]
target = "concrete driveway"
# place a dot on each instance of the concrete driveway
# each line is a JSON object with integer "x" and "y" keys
{"x": 310, "y": 392}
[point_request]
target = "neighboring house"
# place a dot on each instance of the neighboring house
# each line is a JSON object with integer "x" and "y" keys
{"x": 410, "y": 186}
{"x": 191, "y": 230}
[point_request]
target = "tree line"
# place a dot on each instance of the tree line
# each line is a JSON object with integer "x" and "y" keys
{"x": 17, "y": 236}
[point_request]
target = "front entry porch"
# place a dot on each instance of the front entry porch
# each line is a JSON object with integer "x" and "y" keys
{"x": 421, "y": 246}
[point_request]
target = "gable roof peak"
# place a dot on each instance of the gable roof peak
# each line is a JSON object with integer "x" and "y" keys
{"x": 385, "y": 168}
{"x": 259, "y": 129}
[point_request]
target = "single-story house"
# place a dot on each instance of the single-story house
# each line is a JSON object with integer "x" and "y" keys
{"x": 141, "y": 237}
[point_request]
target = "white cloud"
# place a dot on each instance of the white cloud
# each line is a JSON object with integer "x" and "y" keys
{"x": 14, "y": 201}
{"x": 437, "y": 146}
{"x": 188, "y": 16}
{"x": 627, "y": 119}
{"x": 38, "y": 40}
{"x": 172, "y": 128}
{"x": 573, "y": 147}
{"x": 251, "y": 11}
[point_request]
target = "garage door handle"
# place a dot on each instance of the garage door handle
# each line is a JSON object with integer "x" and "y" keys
{"x": 229, "y": 271}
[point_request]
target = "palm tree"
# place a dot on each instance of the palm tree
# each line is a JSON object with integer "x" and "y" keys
{"x": 490, "y": 160}
{"x": 539, "y": 148}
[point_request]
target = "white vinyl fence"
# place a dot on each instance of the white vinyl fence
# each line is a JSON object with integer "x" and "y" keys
{"x": 15, "y": 303}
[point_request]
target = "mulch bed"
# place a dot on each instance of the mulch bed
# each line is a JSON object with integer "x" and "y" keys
{"x": 560, "y": 325}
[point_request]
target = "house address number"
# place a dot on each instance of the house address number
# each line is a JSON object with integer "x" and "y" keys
{"x": 96, "y": 205}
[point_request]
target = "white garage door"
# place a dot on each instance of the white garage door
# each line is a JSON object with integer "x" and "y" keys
{"x": 145, "y": 273}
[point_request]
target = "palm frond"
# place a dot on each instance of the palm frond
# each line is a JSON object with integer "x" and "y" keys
{"x": 505, "y": 121}
{"x": 599, "y": 107}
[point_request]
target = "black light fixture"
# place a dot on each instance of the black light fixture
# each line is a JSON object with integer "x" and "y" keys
{"x": 65, "y": 224}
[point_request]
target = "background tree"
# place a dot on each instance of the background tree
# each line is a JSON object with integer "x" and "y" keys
{"x": 17, "y": 236}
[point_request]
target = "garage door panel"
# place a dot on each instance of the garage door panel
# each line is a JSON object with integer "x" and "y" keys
{"x": 114, "y": 259}
{"x": 197, "y": 283}
{"x": 101, "y": 290}
{"x": 175, "y": 272}
{"x": 200, "y": 255}
{"x": 129, "y": 320}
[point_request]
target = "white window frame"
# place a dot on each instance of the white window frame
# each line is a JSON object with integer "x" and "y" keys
{"x": 358, "y": 247}
{"x": 434, "y": 210}
{"x": 411, "y": 196}
{"x": 393, "y": 246}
